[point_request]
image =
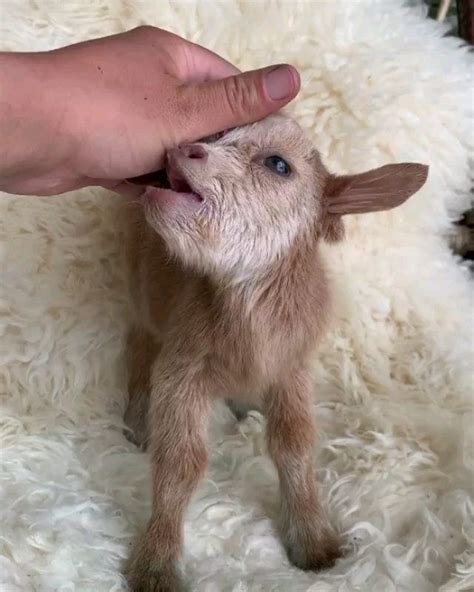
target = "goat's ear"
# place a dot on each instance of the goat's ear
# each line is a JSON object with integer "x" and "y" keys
{"x": 379, "y": 189}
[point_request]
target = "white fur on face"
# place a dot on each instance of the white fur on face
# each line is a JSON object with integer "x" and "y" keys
{"x": 250, "y": 216}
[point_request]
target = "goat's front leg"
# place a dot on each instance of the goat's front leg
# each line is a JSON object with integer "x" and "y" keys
{"x": 309, "y": 539}
{"x": 177, "y": 431}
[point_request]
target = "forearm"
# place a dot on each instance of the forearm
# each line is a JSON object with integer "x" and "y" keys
{"x": 30, "y": 121}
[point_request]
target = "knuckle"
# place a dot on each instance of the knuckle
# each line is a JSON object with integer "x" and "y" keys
{"x": 240, "y": 95}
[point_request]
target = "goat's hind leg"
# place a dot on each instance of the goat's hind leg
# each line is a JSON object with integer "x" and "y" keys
{"x": 141, "y": 352}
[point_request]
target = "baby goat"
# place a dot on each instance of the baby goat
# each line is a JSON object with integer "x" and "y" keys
{"x": 231, "y": 297}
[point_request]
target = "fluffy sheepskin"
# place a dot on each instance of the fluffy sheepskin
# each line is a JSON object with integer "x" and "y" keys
{"x": 393, "y": 383}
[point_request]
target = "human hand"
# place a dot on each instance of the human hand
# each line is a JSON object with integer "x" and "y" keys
{"x": 105, "y": 110}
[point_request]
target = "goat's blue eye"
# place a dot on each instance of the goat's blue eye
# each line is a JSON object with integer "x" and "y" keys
{"x": 278, "y": 166}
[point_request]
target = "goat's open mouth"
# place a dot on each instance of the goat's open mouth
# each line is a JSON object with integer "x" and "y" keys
{"x": 169, "y": 179}
{"x": 178, "y": 183}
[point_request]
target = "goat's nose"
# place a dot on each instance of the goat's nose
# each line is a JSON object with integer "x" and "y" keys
{"x": 196, "y": 151}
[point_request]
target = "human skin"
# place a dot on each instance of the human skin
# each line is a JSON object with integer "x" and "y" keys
{"x": 105, "y": 110}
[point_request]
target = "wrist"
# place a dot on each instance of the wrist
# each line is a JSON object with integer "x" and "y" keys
{"x": 33, "y": 122}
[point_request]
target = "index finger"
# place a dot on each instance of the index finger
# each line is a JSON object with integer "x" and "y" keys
{"x": 201, "y": 64}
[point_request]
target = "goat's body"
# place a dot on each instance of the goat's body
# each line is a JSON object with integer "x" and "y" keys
{"x": 196, "y": 339}
{"x": 247, "y": 335}
{"x": 235, "y": 312}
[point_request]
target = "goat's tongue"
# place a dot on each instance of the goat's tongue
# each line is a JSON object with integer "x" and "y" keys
{"x": 178, "y": 184}
{"x": 167, "y": 178}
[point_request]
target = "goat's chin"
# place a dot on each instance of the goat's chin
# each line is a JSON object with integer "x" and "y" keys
{"x": 174, "y": 202}
{"x": 174, "y": 217}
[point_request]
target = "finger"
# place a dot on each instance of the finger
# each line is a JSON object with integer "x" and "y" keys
{"x": 201, "y": 64}
{"x": 209, "y": 107}
{"x": 124, "y": 188}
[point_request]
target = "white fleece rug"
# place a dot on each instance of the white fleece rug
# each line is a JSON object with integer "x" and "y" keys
{"x": 393, "y": 381}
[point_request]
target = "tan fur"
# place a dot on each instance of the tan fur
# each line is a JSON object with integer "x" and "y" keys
{"x": 233, "y": 295}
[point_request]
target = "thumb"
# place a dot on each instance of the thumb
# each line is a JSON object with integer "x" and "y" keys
{"x": 209, "y": 107}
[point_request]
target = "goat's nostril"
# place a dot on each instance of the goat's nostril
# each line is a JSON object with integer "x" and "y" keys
{"x": 195, "y": 151}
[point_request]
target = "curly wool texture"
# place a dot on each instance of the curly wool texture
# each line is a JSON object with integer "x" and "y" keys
{"x": 393, "y": 384}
